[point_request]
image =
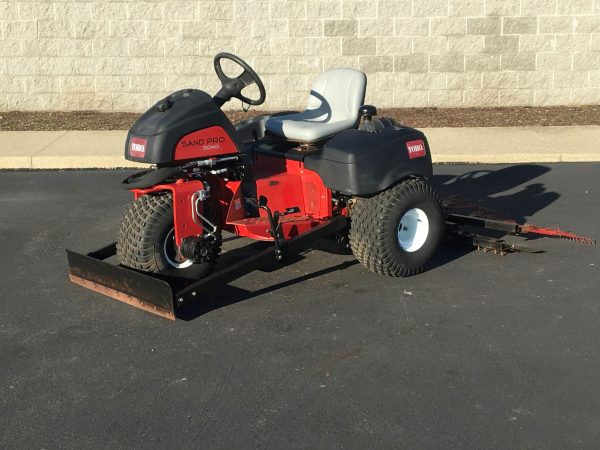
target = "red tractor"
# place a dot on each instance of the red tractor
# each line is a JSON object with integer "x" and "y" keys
{"x": 289, "y": 178}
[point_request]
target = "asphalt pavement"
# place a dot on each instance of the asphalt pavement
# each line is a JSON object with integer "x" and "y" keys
{"x": 480, "y": 351}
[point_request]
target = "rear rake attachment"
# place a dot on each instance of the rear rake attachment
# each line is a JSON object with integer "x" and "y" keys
{"x": 486, "y": 230}
{"x": 529, "y": 229}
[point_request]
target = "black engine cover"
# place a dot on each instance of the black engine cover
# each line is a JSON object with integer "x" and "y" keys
{"x": 154, "y": 136}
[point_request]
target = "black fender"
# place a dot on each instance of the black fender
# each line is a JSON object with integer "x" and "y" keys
{"x": 149, "y": 178}
{"x": 357, "y": 162}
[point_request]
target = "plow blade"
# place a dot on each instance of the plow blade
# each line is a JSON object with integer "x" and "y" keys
{"x": 134, "y": 288}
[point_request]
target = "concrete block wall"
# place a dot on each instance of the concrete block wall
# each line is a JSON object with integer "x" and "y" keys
{"x": 124, "y": 55}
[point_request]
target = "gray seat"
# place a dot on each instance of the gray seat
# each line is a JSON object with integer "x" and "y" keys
{"x": 332, "y": 107}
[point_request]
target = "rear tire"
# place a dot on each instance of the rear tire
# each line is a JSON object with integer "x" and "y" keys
{"x": 397, "y": 231}
{"x": 145, "y": 240}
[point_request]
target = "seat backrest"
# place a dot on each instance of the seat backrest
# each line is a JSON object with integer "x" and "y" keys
{"x": 337, "y": 94}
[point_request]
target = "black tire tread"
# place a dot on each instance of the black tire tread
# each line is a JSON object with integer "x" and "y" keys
{"x": 137, "y": 235}
{"x": 372, "y": 216}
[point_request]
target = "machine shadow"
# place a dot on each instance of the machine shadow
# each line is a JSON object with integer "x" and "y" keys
{"x": 480, "y": 187}
{"x": 229, "y": 295}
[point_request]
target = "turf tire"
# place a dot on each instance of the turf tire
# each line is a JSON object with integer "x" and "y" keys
{"x": 374, "y": 228}
{"x": 142, "y": 234}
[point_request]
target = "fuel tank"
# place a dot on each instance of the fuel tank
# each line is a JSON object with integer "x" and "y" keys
{"x": 186, "y": 125}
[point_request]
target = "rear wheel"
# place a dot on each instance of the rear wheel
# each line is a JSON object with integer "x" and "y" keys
{"x": 397, "y": 231}
{"x": 146, "y": 240}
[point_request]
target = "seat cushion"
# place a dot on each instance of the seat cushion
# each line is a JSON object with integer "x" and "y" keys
{"x": 297, "y": 128}
{"x": 332, "y": 107}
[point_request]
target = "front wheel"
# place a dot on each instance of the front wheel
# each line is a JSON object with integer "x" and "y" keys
{"x": 397, "y": 231}
{"x": 146, "y": 240}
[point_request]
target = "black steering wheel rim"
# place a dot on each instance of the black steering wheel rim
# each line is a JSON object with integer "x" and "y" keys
{"x": 232, "y": 87}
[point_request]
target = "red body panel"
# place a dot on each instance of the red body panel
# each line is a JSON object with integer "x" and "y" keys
{"x": 284, "y": 183}
{"x": 211, "y": 141}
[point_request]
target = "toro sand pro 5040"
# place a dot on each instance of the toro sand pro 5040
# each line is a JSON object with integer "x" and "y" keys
{"x": 289, "y": 178}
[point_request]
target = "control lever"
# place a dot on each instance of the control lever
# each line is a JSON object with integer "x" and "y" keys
{"x": 274, "y": 223}
{"x": 275, "y": 227}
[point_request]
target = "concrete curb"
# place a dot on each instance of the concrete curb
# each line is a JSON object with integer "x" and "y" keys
{"x": 104, "y": 149}
{"x": 514, "y": 144}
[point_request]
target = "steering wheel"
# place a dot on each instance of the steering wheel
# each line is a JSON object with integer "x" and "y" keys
{"x": 232, "y": 87}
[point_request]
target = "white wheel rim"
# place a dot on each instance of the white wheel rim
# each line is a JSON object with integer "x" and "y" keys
{"x": 168, "y": 248}
{"x": 413, "y": 230}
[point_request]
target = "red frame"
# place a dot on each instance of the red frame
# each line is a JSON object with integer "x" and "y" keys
{"x": 284, "y": 183}
{"x": 183, "y": 192}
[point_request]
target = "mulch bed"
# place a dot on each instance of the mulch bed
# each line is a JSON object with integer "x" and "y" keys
{"x": 415, "y": 117}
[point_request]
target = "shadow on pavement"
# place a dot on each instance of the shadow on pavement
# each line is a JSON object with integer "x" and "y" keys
{"x": 229, "y": 295}
{"x": 481, "y": 187}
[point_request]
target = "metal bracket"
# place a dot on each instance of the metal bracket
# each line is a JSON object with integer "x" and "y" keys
{"x": 196, "y": 199}
{"x": 275, "y": 227}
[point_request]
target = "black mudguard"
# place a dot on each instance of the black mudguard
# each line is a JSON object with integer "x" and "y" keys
{"x": 358, "y": 162}
{"x": 149, "y": 178}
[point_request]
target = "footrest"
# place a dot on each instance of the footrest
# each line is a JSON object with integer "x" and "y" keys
{"x": 260, "y": 228}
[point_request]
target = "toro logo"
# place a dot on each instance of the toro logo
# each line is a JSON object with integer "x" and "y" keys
{"x": 137, "y": 147}
{"x": 416, "y": 148}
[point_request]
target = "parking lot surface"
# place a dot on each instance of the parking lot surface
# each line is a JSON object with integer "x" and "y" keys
{"x": 481, "y": 351}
